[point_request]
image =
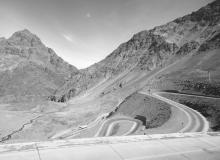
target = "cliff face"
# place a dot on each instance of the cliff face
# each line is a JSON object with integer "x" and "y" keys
{"x": 29, "y": 69}
{"x": 148, "y": 50}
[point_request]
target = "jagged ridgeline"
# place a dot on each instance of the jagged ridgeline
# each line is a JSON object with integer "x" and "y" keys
{"x": 152, "y": 49}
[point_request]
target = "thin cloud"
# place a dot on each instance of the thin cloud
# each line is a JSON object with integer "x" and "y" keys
{"x": 69, "y": 38}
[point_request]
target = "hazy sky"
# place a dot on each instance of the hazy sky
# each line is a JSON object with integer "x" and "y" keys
{"x": 83, "y": 32}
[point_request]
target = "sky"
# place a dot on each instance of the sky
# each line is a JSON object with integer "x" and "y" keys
{"x": 84, "y": 32}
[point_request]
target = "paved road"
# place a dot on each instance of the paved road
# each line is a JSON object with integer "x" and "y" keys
{"x": 196, "y": 121}
{"x": 70, "y": 133}
{"x": 129, "y": 126}
{"x": 181, "y": 146}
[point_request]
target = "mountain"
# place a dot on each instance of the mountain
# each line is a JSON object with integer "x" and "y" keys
{"x": 198, "y": 73}
{"x": 180, "y": 56}
{"x": 151, "y": 50}
{"x": 29, "y": 69}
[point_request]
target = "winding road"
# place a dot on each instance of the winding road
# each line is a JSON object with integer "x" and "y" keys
{"x": 196, "y": 144}
{"x": 183, "y": 119}
{"x": 120, "y": 126}
{"x": 196, "y": 122}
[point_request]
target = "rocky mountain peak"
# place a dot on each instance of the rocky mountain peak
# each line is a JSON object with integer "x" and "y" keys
{"x": 25, "y": 38}
{"x": 144, "y": 40}
{"x": 28, "y": 67}
{"x": 197, "y": 26}
{"x": 27, "y": 47}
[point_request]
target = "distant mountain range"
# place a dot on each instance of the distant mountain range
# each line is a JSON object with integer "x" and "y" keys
{"x": 30, "y": 69}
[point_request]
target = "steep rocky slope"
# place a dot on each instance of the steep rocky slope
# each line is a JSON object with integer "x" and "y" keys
{"x": 28, "y": 69}
{"x": 200, "y": 72}
{"x": 145, "y": 50}
{"x": 150, "y": 50}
